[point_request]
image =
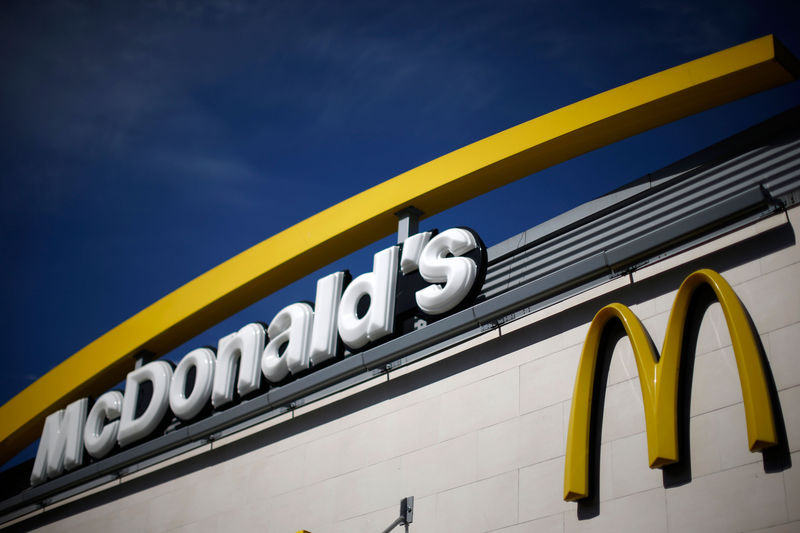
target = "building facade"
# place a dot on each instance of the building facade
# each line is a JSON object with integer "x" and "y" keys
{"x": 474, "y": 425}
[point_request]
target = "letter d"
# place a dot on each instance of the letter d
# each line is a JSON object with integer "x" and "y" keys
{"x": 131, "y": 429}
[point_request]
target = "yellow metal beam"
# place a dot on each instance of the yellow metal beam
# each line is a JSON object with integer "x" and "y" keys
{"x": 433, "y": 187}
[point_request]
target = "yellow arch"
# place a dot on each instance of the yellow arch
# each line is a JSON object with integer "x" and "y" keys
{"x": 433, "y": 187}
{"x": 659, "y": 380}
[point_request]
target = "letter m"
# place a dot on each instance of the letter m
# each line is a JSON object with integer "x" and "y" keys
{"x": 61, "y": 445}
{"x": 659, "y": 380}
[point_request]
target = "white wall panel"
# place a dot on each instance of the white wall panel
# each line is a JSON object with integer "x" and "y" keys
{"x": 741, "y": 499}
{"x": 477, "y": 435}
{"x": 644, "y": 511}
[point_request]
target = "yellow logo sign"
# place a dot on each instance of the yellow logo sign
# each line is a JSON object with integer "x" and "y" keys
{"x": 659, "y": 377}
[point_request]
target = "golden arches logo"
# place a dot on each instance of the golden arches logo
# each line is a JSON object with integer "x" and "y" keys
{"x": 659, "y": 378}
{"x": 358, "y": 221}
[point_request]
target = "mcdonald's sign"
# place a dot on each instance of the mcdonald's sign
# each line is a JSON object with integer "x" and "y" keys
{"x": 57, "y": 405}
{"x": 660, "y": 376}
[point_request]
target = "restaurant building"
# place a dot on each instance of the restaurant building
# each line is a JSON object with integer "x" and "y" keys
{"x": 630, "y": 365}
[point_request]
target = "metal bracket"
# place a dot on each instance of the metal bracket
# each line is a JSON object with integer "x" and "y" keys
{"x": 406, "y": 514}
{"x": 143, "y": 357}
{"x": 408, "y": 223}
{"x": 493, "y": 324}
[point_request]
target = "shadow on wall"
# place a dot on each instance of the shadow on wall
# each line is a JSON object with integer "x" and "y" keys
{"x": 775, "y": 459}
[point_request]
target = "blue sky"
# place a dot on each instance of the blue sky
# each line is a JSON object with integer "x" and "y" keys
{"x": 144, "y": 143}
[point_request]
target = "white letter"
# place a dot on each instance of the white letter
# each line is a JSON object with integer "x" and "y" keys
{"x": 456, "y": 273}
{"x": 132, "y": 429}
{"x": 246, "y": 345}
{"x": 61, "y": 445}
{"x": 291, "y": 325}
{"x": 203, "y": 361}
{"x": 99, "y": 437}
{"x": 324, "y": 336}
{"x": 380, "y": 286}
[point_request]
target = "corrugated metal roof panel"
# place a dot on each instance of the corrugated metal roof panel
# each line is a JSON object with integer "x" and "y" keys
{"x": 766, "y": 156}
